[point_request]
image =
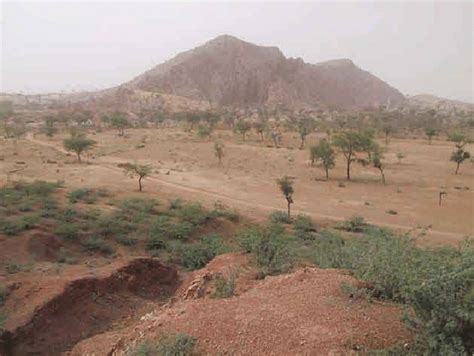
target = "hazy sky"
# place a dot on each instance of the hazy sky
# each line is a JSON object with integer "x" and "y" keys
{"x": 417, "y": 47}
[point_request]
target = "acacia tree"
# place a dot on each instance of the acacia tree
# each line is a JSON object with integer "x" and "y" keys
{"x": 78, "y": 144}
{"x": 351, "y": 143}
{"x": 141, "y": 171}
{"x": 324, "y": 154}
{"x": 459, "y": 156}
{"x": 119, "y": 121}
{"x": 376, "y": 157}
{"x": 219, "y": 151}
{"x": 305, "y": 127}
{"x": 430, "y": 132}
{"x": 286, "y": 187}
{"x": 243, "y": 127}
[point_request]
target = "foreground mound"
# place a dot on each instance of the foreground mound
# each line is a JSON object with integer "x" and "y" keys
{"x": 305, "y": 312}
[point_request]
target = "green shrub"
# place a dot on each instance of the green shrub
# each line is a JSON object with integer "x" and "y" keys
{"x": 97, "y": 244}
{"x": 181, "y": 231}
{"x": 280, "y": 217}
{"x": 176, "y": 204}
{"x": 176, "y": 345}
{"x": 194, "y": 214}
{"x": 13, "y": 267}
{"x": 444, "y": 307}
{"x": 86, "y": 195}
{"x": 304, "y": 227}
{"x": 68, "y": 231}
{"x": 21, "y": 195}
{"x": 126, "y": 240}
{"x": 3, "y": 294}
{"x": 224, "y": 287}
{"x": 197, "y": 255}
{"x": 15, "y": 226}
{"x": 136, "y": 206}
{"x": 354, "y": 224}
{"x": 271, "y": 248}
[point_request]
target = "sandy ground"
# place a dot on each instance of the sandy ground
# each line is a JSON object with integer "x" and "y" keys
{"x": 186, "y": 167}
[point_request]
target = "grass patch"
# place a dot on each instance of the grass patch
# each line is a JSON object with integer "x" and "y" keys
{"x": 224, "y": 287}
{"x": 97, "y": 244}
{"x": 355, "y": 224}
{"x": 86, "y": 195}
{"x": 280, "y": 217}
{"x": 13, "y": 267}
{"x": 171, "y": 344}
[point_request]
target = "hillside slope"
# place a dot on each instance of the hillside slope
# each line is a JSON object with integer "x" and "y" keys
{"x": 228, "y": 71}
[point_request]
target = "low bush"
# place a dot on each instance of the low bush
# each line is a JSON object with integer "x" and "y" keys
{"x": 176, "y": 345}
{"x": 224, "y": 287}
{"x": 86, "y": 195}
{"x": 97, "y": 244}
{"x": 13, "y": 267}
{"x": 436, "y": 283}
{"x": 354, "y": 224}
{"x": 68, "y": 231}
{"x": 3, "y": 294}
{"x": 271, "y": 248}
{"x": 14, "y": 226}
{"x": 197, "y": 255}
{"x": 304, "y": 227}
{"x": 181, "y": 230}
{"x": 194, "y": 214}
{"x": 280, "y": 217}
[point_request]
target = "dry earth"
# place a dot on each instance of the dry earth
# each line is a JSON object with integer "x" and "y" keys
{"x": 186, "y": 167}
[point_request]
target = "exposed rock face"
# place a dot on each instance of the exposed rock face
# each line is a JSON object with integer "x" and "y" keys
{"x": 229, "y": 71}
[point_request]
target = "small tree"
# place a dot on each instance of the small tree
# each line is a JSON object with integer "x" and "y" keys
{"x": 141, "y": 171}
{"x": 119, "y": 121}
{"x": 376, "y": 157}
{"x": 192, "y": 119}
{"x": 78, "y": 144}
{"x": 286, "y": 187}
{"x": 49, "y": 126}
{"x": 350, "y": 143}
{"x": 305, "y": 126}
{"x": 430, "y": 132}
{"x": 219, "y": 151}
{"x": 388, "y": 130}
{"x": 204, "y": 131}
{"x": 400, "y": 156}
{"x": 243, "y": 127}
{"x": 459, "y": 156}
{"x": 324, "y": 154}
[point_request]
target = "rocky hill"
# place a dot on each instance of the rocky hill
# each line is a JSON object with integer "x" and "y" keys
{"x": 229, "y": 71}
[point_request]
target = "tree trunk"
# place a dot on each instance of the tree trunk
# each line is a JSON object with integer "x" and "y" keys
{"x": 261, "y": 136}
{"x": 140, "y": 183}
{"x": 429, "y": 140}
{"x": 302, "y": 143}
{"x": 383, "y": 176}
{"x": 327, "y": 173}
{"x": 289, "y": 210}
{"x": 79, "y": 157}
{"x": 457, "y": 168}
{"x": 348, "y": 169}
